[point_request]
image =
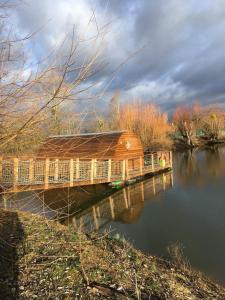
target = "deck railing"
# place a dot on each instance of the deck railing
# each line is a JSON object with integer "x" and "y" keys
{"x": 16, "y": 172}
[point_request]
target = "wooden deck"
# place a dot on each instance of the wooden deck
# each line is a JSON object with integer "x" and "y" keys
{"x": 23, "y": 174}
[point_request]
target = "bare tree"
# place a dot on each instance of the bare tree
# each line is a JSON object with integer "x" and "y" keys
{"x": 29, "y": 94}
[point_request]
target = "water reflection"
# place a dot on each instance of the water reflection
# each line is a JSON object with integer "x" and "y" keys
{"x": 124, "y": 206}
{"x": 90, "y": 208}
{"x": 199, "y": 167}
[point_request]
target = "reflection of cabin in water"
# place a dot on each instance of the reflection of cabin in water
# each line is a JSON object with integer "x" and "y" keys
{"x": 117, "y": 145}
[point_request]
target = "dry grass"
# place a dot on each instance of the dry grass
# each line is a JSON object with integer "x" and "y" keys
{"x": 55, "y": 262}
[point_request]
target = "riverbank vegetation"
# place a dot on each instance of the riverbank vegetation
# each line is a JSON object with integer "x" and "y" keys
{"x": 42, "y": 259}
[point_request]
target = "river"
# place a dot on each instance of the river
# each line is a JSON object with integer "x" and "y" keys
{"x": 185, "y": 207}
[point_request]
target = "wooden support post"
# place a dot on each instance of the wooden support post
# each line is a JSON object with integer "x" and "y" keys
{"x": 98, "y": 212}
{"x": 127, "y": 170}
{"x": 71, "y": 172}
{"x": 92, "y": 171}
{"x": 1, "y": 173}
{"x": 95, "y": 168}
{"x": 31, "y": 170}
{"x": 153, "y": 184}
{"x": 142, "y": 192}
{"x": 109, "y": 169}
{"x": 46, "y": 173}
{"x": 164, "y": 182}
{"x": 74, "y": 222}
{"x": 95, "y": 218}
{"x": 124, "y": 170}
{"x": 171, "y": 159}
{"x": 153, "y": 166}
{"x": 77, "y": 168}
{"x": 4, "y": 196}
{"x": 128, "y": 196}
{"x": 125, "y": 198}
{"x": 171, "y": 178}
{"x": 141, "y": 165}
{"x": 111, "y": 203}
{"x": 56, "y": 173}
{"x": 15, "y": 171}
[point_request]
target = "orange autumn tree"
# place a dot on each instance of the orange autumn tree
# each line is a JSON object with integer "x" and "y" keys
{"x": 146, "y": 120}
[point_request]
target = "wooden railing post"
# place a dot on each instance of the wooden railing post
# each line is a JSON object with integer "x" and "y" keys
{"x": 56, "y": 173}
{"x": 124, "y": 170}
{"x": 109, "y": 169}
{"x": 152, "y": 158}
{"x": 71, "y": 172}
{"x": 92, "y": 171}
{"x": 15, "y": 171}
{"x": 46, "y": 175}
{"x": 31, "y": 170}
{"x": 77, "y": 168}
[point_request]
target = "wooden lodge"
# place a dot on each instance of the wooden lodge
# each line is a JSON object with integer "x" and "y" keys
{"x": 78, "y": 160}
{"x": 118, "y": 145}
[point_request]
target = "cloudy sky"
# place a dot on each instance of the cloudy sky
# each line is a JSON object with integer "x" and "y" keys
{"x": 174, "y": 49}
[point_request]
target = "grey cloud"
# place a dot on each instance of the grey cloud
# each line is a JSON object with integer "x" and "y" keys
{"x": 183, "y": 46}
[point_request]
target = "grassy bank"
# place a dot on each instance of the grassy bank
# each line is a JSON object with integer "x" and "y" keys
{"x": 41, "y": 259}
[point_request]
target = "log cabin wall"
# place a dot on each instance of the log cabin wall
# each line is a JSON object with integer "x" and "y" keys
{"x": 118, "y": 145}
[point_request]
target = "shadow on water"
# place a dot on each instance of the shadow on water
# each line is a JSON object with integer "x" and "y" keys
{"x": 11, "y": 236}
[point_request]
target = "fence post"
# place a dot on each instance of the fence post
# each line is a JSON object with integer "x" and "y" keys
{"x": 46, "y": 173}
{"x": 56, "y": 173}
{"x": 31, "y": 170}
{"x": 124, "y": 170}
{"x": 15, "y": 171}
{"x": 71, "y": 172}
{"x": 153, "y": 167}
{"x": 92, "y": 171}
{"x": 77, "y": 168}
{"x": 109, "y": 169}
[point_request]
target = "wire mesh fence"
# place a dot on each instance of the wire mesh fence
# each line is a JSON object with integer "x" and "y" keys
{"x": 55, "y": 171}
